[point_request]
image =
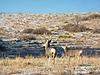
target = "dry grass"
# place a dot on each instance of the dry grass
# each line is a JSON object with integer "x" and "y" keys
{"x": 75, "y": 28}
{"x": 13, "y": 65}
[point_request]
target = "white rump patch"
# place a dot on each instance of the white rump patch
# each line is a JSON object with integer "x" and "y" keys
{"x": 53, "y": 50}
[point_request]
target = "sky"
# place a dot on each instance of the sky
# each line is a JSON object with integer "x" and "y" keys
{"x": 49, "y": 6}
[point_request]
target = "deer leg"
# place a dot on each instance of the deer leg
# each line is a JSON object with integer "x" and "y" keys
{"x": 53, "y": 58}
{"x": 52, "y": 55}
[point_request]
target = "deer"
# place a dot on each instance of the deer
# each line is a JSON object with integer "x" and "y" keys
{"x": 72, "y": 53}
{"x": 49, "y": 51}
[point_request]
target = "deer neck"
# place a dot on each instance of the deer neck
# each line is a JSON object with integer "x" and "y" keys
{"x": 46, "y": 46}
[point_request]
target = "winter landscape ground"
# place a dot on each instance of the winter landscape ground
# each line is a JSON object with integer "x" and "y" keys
{"x": 23, "y": 34}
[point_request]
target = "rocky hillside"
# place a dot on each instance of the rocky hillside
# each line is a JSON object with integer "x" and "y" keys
{"x": 17, "y": 22}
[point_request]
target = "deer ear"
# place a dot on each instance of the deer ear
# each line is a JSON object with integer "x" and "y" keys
{"x": 45, "y": 39}
{"x": 65, "y": 44}
{"x": 43, "y": 45}
{"x": 50, "y": 37}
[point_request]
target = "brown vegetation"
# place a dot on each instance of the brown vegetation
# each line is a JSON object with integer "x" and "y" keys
{"x": 96, "y": 30}
{"x": 27, "y": 37}
{"x": 75, "y": 28}
{"x": 41, "y": 30}
{"x": 27, "y": 30}
{"x": 90, "y": 17}
{"x": 11, "y": 66}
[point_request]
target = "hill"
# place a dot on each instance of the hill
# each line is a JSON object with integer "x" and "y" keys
{"x": 14, "y": 23}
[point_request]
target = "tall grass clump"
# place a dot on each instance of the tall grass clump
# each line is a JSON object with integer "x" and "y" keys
{"x": 29, "y": 30}
{"x": 28, "y": 37}
{"x": 90, "y": 17}
{"x": 75, "y": 28}
{"x": 41, "y": 30}
{"x": 96, "y": 30}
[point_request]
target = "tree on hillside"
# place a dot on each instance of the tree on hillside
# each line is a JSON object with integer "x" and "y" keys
{"x": 76, "y": 20}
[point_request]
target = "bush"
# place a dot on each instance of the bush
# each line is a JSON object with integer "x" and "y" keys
{"x": 27, "y": 30}
{"x": 75, "y": 28}
{"x": 28, "y": 37}
{"x": 65, "y": 36}
{"x": 96, "y": 30}
{"x": 82, "y": 28}
{"x": 41, "y": 31}
{"x": 93, "y": 16}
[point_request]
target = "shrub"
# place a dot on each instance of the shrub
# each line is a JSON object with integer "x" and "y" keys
{"x": 28, "y": 37}
{"x": 85, "y": 18}
{"x": 82, "y": 28}
{"x": 64, "y": 36}
{"x": 75, "y": 28}
{"x": 96, "y": 30}
{"x": 41, "y": 31}
{"x": 27, "y": 30}
{"x": 76, "y": 20}
{"x": 93, "y": 16}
